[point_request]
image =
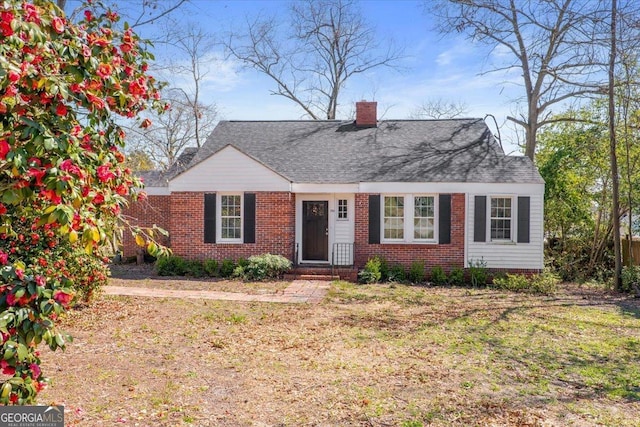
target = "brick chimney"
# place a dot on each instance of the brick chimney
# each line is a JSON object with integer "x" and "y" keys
{"x": 366, "y": 114}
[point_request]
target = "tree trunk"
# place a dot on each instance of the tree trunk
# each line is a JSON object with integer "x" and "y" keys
{"x": 612, "y": 147}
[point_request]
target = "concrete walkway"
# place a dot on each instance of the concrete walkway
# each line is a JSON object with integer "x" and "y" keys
{"x": 299, "y": 291}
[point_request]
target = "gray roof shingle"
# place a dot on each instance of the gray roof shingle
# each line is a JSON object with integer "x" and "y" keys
{"x": 452, "y": 150}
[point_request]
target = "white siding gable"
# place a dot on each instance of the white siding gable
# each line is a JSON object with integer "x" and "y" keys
{"x": 229, "y": 170}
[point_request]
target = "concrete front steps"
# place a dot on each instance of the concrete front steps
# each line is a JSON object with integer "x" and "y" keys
{"x": 324, "y": 272}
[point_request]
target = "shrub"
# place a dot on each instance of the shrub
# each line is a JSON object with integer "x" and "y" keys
{"x": 227, "y": 268}
{"x": 438, "y": 276}
{"x": 194, "y": 268}
{"x": 266, "y": 266}
{"x": 456, "y": 277}
{"x": 479, "y": 272}
{"x": 397, "y": 273}
{"x": 210, "y": 267}
{"x": 371, "y": 271}
{"x": 511, "y": 282}
{"x": 384, "y": 268}
{"x": 631, "y": 278}
{"x": 171, "y": 266}
{"x": 545, "y": 283}
{"x": 242, "y": 262}
{"x": 416, "y": 272}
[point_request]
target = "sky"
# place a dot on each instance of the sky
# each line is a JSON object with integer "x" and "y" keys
{"x": 451, "y": 68}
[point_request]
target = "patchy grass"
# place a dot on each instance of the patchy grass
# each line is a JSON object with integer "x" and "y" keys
{"x": 370, "y": 355}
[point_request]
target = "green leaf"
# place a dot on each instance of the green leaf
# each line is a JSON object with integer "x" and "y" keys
{"x": 22, "y": 352}
{"x": 50, "y": 144}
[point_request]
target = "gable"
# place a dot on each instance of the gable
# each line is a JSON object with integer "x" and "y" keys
{"x": 229, "y": 169}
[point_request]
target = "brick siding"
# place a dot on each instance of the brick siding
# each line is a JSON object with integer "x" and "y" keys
{"x": 446, "y": 256}
{"x": 146, "y": 213}
{"x": 275, "y": 228}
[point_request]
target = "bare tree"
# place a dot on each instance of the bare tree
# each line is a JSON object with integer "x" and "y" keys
{"x": 326, "y": 43}
{"x": 551, "y": 41}
{"x": 439, "y": 109}
{"x": 187, "y": 71}
{"x": 172, "y": 131}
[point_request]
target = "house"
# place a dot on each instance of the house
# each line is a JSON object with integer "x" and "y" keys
{"x": 336, "y": 193}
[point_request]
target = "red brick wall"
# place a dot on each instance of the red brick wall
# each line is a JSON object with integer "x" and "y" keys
{"x": 275, "y": 228}
{"x": 146, "y": 213}
{"x": 446, "y": 256}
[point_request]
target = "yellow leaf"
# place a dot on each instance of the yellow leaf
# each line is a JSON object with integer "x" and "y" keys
{"x": 88, "y": 248}
{"x": 73, "y": 236}
{"x": 95, "y": 235}
{"x": 140, "y": 240}
{"x": 152, "y": 248}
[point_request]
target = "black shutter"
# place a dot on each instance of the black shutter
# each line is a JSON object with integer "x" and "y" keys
{"x": 480, "y": 219}
{"x": 249, "y": 232}
{"x": 523, "y": 219}
{"x": 210, "y": 218}
{"x": 444, "y": 219}
{"x": 374, "y": 218}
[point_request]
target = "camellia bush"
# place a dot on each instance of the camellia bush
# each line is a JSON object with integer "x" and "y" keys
{"x": 62, "y": 179}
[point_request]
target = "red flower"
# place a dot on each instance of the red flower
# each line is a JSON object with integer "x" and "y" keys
{"x": 4, "y": 258}
{"x": 20, "y": 273}
{"x": 145, "y": 123}
{"x": 4, "y": 149}
{"x": 88, "y": 15}
{"x": 3, "y": 209}
{"x": 96, "y": 101}
{"x": 135, "y": 88}
{"x": 6, "y": 368}
{"x": 40, "y": 280}
{"x": 61, "y": 110}
{"x": 5, "y": 23}
{"x": 58, "y": 25}
{"x": 98, "y": 199}
{"x": 31, "y": 13}
{"x": 11, "y": 299}
{"x": 104, "y": 70}
{"x": 62, "y": 298}
{"x": 35, "y": 369}
{"x": 13, "y": 76}
{"x": 104, "y": 173}
{"x": 112, "y": 16}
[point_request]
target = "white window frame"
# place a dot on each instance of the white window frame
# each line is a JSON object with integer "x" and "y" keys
{"x": 511, "y": 219}
{"x": 219, "y": 218}
{"x": 409, "y": 209}
{"x": 346, "y": 210}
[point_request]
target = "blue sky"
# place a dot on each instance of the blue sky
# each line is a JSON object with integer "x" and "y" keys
{"x": 451, "y": 68}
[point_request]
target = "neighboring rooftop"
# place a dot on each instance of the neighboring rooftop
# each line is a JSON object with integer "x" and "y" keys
{"x": 157, "y": 178}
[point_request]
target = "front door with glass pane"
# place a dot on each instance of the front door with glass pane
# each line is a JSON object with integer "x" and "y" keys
{"x": 315, "y": 230}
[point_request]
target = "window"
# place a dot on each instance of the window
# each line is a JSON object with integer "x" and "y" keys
{"x": 394, "y": 217}
{"x": 230, "y": 217}
{"x": 501, "y": 214}
{"x": 342, "y": 209}
{"x": 423, "y": 217}
{"x": 409, "y": 218}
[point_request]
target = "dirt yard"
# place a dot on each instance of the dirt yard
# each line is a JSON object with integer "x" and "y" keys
{"x": 379, "y": 355}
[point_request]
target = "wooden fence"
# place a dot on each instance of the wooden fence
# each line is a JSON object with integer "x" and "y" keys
{"x": 635, "y": 251}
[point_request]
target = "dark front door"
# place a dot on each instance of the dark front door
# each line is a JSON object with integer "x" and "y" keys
{"x": 315, "y": 231}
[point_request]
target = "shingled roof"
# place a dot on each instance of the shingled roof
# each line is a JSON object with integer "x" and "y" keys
{"x": 453, "y": 150}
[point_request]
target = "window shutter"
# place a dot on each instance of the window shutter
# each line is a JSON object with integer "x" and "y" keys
{"x": 249, "y": 232}
{"x": 523, "y": 219}
{"x": 444, "y": 219}
{"x": 480, "y": 219}
{"x": 210, "y": 218}
{"x": 374, "y": 218}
